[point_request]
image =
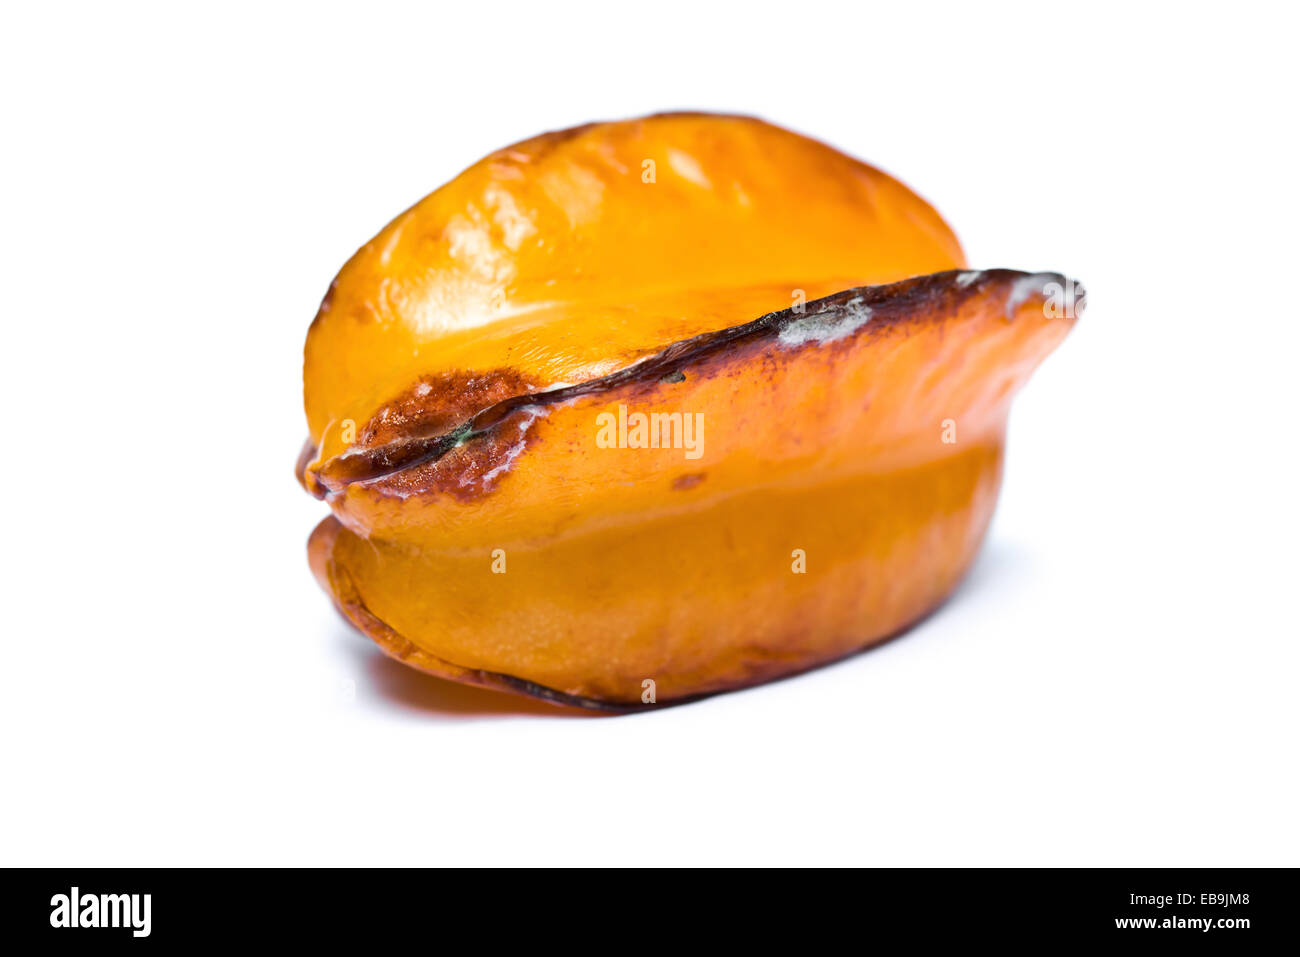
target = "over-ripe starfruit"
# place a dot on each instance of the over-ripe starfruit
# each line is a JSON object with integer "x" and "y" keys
{"x": 642, "y": 411}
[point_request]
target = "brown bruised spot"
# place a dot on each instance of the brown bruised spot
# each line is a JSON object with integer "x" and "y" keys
{"x": 684, "y": 482}
{"x": 469, "y": 469}
{"x": 437, "y": 404}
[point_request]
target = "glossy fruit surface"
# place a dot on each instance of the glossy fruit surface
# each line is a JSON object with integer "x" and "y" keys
{"x": 657, "y": 409}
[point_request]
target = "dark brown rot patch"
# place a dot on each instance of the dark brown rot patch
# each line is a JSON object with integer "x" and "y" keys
{"x": 469, "y": 470}
{"x": 684, "y": 482}
{"x": 437, "y": 404}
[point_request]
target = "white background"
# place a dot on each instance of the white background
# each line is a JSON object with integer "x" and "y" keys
{"x": 1116, "y": 683}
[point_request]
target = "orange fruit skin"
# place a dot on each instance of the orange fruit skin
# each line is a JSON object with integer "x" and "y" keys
{"x": 849, "y": 387}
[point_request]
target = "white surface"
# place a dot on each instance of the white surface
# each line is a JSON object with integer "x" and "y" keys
{"x": 1115, "y": 685}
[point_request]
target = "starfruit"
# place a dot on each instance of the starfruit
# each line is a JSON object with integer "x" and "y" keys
{"x": 641, "y": 411}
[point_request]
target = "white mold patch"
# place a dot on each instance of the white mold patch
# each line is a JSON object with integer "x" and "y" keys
{"x": 966, "y": 278}
{"x": 530, "y": 415}
{"x": 1025, "y": 287}
{"x": 828, "y": 324}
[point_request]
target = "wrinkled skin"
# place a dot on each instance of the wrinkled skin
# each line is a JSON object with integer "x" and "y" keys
{"x": 850, "y": 383}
